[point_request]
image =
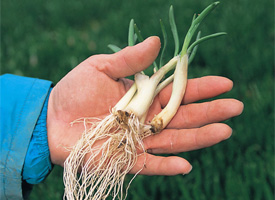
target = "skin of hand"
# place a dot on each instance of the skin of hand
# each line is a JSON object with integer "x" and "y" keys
{"x": 93, "y": 87}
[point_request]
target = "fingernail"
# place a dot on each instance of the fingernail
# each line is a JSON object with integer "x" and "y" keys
{"x": 189, "y": 169}
{"x": 149, "y": 151}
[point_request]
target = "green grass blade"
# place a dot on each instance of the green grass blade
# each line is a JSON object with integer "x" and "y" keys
{"x": 114, "y": 48}
{"x": 174, "y": 30}
{"x": 206, "y": 12}
{"x": 131, "y": 34}
{"x": 135, "y": 38}
{"x": 194, "y": 17}
{"x": 195, "y": 24}
{"x": 155, "y": 66}
{"x": 194, "y": 51}
{"x": 138, "y": 33}
{"x": 208, "y": 37}
{"x": 164, "y": 34}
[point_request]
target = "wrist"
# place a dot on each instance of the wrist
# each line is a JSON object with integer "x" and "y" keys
{"x": 54, "y": 129}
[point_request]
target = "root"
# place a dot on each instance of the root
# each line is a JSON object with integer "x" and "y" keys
{"x": 156, "y": 125}
{"x": 103, "y": 173}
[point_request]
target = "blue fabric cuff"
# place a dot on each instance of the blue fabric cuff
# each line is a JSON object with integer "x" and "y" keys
{"x": 37, "y": 163}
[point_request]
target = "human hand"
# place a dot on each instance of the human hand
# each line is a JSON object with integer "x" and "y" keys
{"x": 96, "y": 85}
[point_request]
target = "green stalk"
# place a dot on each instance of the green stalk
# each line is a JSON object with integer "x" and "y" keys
{"x": 174, "y": 30}
{"x": 114, "y": 48}
{"x": 140, "y": 38}
{"x": 194, "y": 50}
{"x": 168, "y": 80}
{"x": 131, "y": 34}
{"x": 195, "y": 24}
{"x": 164, "y": 34}
{"x": 208, "y": 37}
{"x": 138, "y": 33}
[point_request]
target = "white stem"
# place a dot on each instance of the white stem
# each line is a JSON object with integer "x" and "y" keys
{"x": 143, "y": 118}
{"x": 124, "y": 101}
{"x": 146, "y": 89}
{"x": 158, "y": 89}
{"x": 143, "y": 98}
{"x": 164, "y": 83}
{"x": 179, "y": 86}
{"x": 166, "y": 68}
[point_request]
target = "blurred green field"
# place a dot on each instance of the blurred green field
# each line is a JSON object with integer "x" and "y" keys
{"x": 46, "y": 39}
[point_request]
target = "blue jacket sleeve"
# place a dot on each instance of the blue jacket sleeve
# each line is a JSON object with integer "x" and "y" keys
{"x": 37, "y": 163}
{"x": 22, "y": 101}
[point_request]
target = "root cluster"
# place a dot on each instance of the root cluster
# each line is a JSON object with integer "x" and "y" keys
{"x": 98, "y": 163}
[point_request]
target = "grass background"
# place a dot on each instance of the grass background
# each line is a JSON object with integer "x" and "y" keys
{"x": 46, "y": 39}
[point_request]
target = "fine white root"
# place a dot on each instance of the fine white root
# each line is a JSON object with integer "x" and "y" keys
{"x": 102, "y": 173}
{"x": 104, "y": 155}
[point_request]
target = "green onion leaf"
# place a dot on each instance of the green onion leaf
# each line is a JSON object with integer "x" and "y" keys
{"x": 138, "y": 33}
{"x": 205, "y": 12}
{"x": 164, "y": 34}
{"x": 114, "y": 48}
{"x": 208, "y": 37}
{"x": 194, "y": 26}
{"x": 131, "y": 34}
{"x": 194, "y": 51}
{"x": 174, "y": 30}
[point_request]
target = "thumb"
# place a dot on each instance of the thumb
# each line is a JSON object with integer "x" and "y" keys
{"x": 133, "y": 59}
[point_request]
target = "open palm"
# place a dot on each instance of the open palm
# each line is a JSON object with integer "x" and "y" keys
{"x": 96, "y": 85}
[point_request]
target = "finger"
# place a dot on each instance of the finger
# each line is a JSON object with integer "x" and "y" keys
{"x": 129, "y": 60}
{"x": 199, "y": 114}
{"x": 137, "y": 58}
{"x": 158, "y": 165}
{"x": 181, "y": 140}
{"x": 199, "y": 88}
